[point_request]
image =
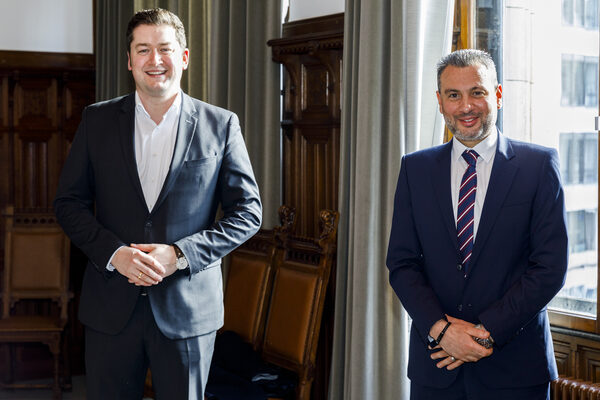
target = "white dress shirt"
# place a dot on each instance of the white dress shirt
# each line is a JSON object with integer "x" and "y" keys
{"x": 487, "y": 151}
{"x": 154, "y": 146}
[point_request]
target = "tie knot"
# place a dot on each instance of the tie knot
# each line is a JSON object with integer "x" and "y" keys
{"x": 470, "y": 157}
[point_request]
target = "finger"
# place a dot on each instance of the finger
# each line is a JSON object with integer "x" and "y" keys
{"x": 138, "y": 280}
{"x": 151, "y": 263}
{"x": 445, "y": 362}
{"x": 148, "y": 275}
{"x": 455, "y": 365}
{"x": 145, "y": 247}
{"x": 439, "y": 354}
{"x": 480, "y": 333}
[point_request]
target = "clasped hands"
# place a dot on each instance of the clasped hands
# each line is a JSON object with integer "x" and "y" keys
{"x": 458, "y": 346}
{"x": 145, "y": 264}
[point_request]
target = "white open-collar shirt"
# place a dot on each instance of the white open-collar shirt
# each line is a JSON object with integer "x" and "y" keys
{"x": 154, "y": 145}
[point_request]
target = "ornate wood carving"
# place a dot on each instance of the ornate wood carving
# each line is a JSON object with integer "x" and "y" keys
{"x": 311, "y": 51}
{"x": 42, "y": 96}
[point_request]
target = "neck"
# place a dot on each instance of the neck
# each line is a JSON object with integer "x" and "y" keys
{"x": 156, "y": 107}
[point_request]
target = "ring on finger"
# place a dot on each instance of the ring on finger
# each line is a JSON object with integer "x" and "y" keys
{"x": 140, "y": 275}
{"x": 452, "y": 358}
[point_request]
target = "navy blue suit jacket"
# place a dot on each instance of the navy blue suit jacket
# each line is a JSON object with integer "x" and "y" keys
{"x": 101, "y": 206}
{"x": 518, "y": 264}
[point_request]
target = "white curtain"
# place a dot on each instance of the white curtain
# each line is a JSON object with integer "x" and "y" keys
{"x": 389, "y": 108}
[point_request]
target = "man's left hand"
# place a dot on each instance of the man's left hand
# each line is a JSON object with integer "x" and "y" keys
{"x": 163, "y": 253}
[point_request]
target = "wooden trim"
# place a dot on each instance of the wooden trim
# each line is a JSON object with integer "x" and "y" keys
{"x": 46, "y": 61}
{"x": 467, "y": 24}
{"x": 330, "y": 24}
{"x": 572, "y": 321}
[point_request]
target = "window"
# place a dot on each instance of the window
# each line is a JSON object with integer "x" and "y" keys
{"x": 579, "y": 76}
{"x": 548, "y": 57}
{"x": 580, "y": 13}
{"x": 579, "y": 158}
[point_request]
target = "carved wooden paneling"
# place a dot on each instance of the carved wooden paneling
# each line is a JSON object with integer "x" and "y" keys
{"x": 577, "y": 354}
{"x": 41, "y": 99}
{"x": 562, "y": 352}
{"x": 77, "y": 94}
{"x": 3, "y": 103}
{"x": 311, "y": 52}
{"x": 35, "y": 104}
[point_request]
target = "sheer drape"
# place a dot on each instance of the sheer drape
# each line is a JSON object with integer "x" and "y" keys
{"x": 244, "y": 79}
{"x": 389, "y": 108}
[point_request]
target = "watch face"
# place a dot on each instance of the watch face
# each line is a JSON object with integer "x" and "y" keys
{"x": 431, "y": 341}
{"x": 182, "y": 263}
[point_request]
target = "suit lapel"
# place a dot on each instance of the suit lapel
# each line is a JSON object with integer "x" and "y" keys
{"x": 185, "y": 133}
{"x": 441, "y": 185}
{"x": 127, "y": 135}
{"x": 503, "y": 172}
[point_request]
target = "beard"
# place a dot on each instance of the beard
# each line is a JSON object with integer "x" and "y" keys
{"x": 484, "y": 131}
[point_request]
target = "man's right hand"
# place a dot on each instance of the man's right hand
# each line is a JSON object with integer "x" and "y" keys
{"x": 140, "y": 268}
{"x": 458, "y": 341}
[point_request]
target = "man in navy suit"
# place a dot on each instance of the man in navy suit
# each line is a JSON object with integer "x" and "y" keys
{"x": 139, "y": 194}
{"x": 478, "y": 248}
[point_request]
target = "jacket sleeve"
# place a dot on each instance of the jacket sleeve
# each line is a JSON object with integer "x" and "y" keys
{"x": 240, "y": 206}
{"x": 74, "y": 203}
{"x": 547, "y": 260}
{"x": 405, "y": 261}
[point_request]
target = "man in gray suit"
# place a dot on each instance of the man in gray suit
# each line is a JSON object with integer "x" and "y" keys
{"x": 139, "y": 194}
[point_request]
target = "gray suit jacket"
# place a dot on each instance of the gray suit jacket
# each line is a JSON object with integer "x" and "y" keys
{"x": 101, "y": 206}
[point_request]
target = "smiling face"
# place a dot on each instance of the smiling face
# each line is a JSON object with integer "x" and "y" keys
{"x": 469, "y": 102}
{"x": 156, "y": 61}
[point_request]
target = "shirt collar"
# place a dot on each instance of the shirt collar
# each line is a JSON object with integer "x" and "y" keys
{"x": 175, "y": 107}
{"x": 486, "y": 148}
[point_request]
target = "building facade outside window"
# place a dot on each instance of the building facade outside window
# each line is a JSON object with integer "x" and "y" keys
{"x": 549, "y": 59}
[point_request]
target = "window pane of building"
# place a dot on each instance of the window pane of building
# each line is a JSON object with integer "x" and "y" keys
{"x": 591, "y": 14}
{"x": 550, "y": 89}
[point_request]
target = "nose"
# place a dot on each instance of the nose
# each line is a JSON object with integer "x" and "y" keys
{"x": 465, "y": 104}
{"x": 155, "y": 56}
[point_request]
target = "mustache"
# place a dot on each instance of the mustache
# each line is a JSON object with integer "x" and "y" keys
{"x": 468, "y": 115}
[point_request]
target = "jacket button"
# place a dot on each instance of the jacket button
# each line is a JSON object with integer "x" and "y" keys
{"x": 459, "y": 267}
{"x": 148, "y": 224}
{"x": 459, "y": 307}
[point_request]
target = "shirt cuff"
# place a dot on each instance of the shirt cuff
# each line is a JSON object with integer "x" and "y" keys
{"x": 109, "y": 265}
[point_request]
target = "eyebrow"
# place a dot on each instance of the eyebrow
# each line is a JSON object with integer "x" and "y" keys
{"x": 470, "y": 90}
{"x": 149, "y": 45}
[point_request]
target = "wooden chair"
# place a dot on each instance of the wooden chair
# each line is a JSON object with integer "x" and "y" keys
{"x": 302, "y": 271}
{"x": 36, "y": 265}
{"x": 249, "y": 280}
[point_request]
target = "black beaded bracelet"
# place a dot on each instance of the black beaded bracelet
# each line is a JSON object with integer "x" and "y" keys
{"x": 441, "y": 335}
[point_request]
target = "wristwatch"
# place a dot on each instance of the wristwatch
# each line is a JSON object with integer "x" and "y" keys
{"x": 431, "y": 342}
{"x": 487, "y": 343}
{"x": 182, "y": 262}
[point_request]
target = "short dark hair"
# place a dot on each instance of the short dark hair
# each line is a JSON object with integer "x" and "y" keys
{"x": 466, "y": 58}
{"x": 156, "y": 16}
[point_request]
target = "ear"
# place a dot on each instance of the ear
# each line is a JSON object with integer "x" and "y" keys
{"x": 499, "y": 96}
{"x": 129, "y": 62}
{"x": 186, "y": 58}
{"x": 439, "y": 98}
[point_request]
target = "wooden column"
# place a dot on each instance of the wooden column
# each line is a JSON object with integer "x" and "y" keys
{"x": 311, "y": 52}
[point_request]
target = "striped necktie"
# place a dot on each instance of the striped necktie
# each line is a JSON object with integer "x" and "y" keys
{"x": 466, "y": 207}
